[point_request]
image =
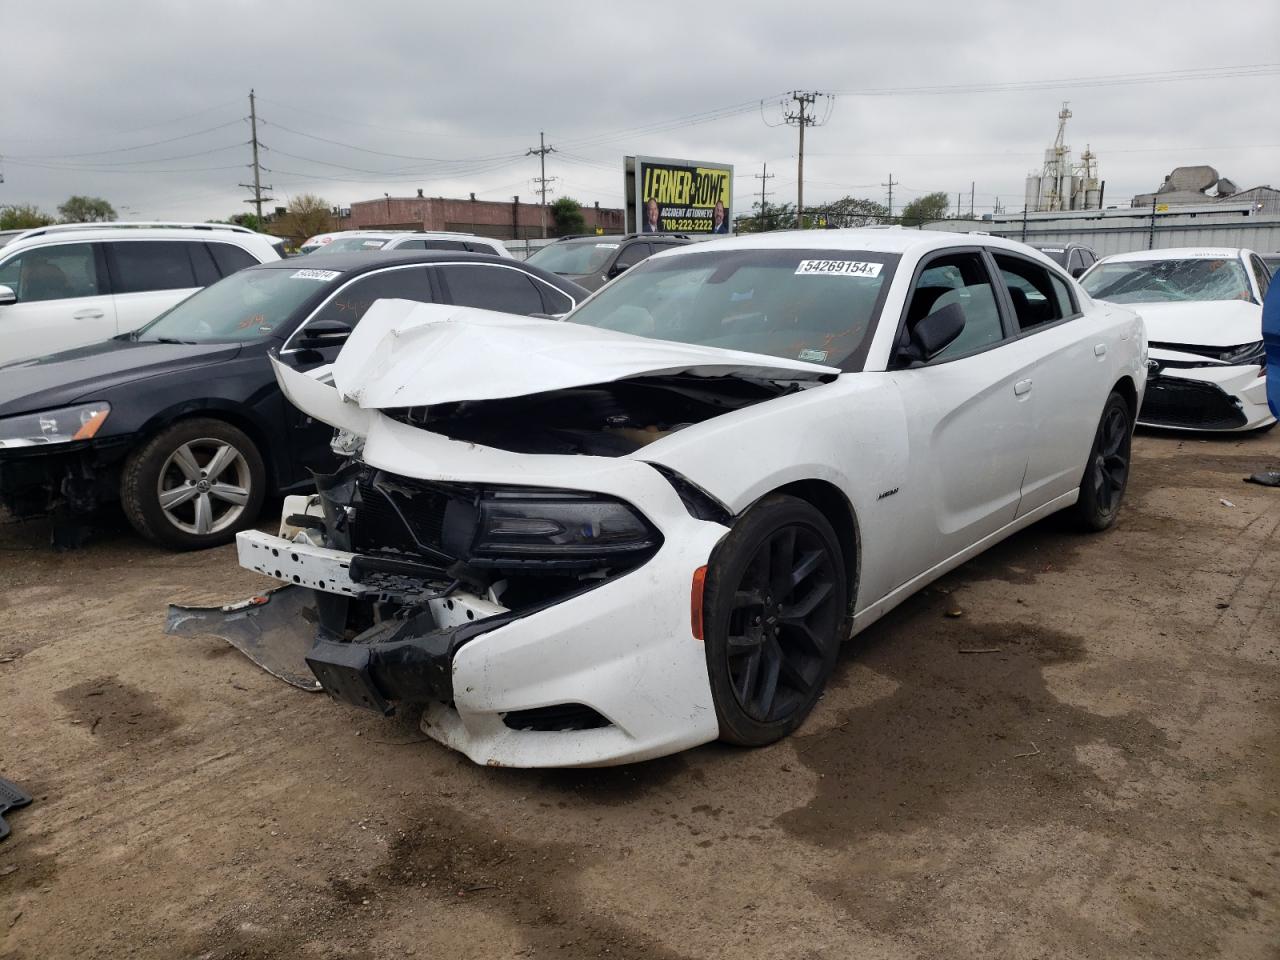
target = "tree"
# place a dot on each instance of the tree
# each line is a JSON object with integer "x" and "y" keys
{"x": 79, "y": 209}
{"x": 306, "y": 216}
{"x": 854, "y": 212}
{"x": 249, "y": 221}
{"x": 23, "y": 216}
{"x": 769, "y": 216}
{"x": 567, "y": 214}
{"x": 930, "y": 207}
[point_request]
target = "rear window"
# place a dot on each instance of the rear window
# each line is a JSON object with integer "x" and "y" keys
{"x": 348, "y": 244}
{"x": 575, "y": 257}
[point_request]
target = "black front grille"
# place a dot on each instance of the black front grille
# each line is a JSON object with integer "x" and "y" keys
{"x": 1174, "y": 402}
{"x": 398, "y": 514}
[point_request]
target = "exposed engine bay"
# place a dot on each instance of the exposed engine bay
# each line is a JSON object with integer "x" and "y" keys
{"x": 604, "y": 420}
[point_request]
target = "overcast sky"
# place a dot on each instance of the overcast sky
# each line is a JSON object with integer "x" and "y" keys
{"x": 448, "y": 97}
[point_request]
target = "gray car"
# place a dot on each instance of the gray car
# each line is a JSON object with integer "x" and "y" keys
{"x": 592, "y": 261}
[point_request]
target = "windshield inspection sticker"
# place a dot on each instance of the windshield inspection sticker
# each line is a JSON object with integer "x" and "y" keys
{"x": 813, "y": 356}
{"x": 838, "y": 268}
{"x": 324, "y": 276}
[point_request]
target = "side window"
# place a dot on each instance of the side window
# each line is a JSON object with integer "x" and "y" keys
{"x": 1062, "y": 292}
{"x": 202, "y": 262}
{"x": 59, "y": 272}
{"x": 457, "y": 245}
{"x": 477, "y": 246}
{"x": 230, "y": 258}
{"x": 1075, "y": 261}
{"x": 961, "y": 279}
{"x": 1035, "y": 301}
{"x": 553, "y": 301}
{"x": 632, "y": 254}
{"x": 491, "y": 287}
{"x": 354, "y": 300}
{"x": 1263, "y": 274}
{"x": 139, "y": 266}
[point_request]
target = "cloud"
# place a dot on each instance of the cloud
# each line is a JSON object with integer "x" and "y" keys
{"x": 466, "y": 88}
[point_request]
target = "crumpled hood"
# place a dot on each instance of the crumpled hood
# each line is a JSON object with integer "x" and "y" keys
{"x": 1217, "y": 323}
{"x": 405, "y": 354}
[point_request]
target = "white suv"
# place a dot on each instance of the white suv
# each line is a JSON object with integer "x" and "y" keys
{"x": 79, "y": 283}
{"x": 371, "y": 240}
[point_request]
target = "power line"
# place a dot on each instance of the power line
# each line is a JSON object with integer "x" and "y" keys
{"x": 140, "y": 146}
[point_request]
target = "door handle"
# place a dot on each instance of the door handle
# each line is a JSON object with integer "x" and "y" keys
{"x": 1022, "y": 387}
{"x": 88, "y": 315}
{"x": 1099, "y": 349}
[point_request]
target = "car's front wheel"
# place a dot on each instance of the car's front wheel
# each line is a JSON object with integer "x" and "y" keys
{"x": 195, "y": 484}
{"x": 1107, "y": 473}
{"x": 776, "y": 603}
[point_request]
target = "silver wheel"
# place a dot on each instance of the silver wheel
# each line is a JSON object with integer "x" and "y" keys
{"x": 204, "y": 486}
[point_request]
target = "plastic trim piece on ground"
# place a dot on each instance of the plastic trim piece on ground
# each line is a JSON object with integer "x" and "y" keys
{"x": 12, "y": 797}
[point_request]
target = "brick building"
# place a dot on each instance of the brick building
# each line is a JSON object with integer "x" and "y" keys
{"x": 504, "y": 220}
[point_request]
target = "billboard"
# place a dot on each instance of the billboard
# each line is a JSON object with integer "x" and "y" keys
{"x": 678, "y": 196}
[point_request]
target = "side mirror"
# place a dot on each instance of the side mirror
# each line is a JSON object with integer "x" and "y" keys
{"x": 617, "y": 268}
{"x": 1077, "y": 272}
{"x": 323, "y": 333}
{"x": 933, "y": 334}
{"x": 7, "y": 295}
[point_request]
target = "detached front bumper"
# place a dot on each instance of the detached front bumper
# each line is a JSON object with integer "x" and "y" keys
{"x": 1216, "y": 397}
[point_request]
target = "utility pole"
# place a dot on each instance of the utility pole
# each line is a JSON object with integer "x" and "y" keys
{"x": 1151, "y": 237}
{"x": 542, "y": 181}
{"x": 764, "y": 177}
{"x": 258, "y": 199}
{"x": 972, "y": 184}
{"x": 802, "y": 117}
{"x": 891, "y": 184}
{"x": 958, "y": 196}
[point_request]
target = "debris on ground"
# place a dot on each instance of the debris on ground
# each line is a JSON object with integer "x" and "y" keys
{"x": 12, "y": 797}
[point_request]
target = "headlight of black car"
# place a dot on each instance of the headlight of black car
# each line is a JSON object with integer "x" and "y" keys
{"x": 53, "y": 426}
{"x": 545, "y": 524}
{"x": 1249, "y": 353}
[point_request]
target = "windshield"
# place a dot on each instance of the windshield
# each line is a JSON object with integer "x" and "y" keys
{"x": 347, "y": 244}
{"x": 1168, "y": 281}
{"x": 575, "y": 257}
{"x": 815, "y": 305}
{"x": 248, "y": 305}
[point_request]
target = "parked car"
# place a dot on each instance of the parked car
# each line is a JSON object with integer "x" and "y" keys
{"x": 1203, "y": 310}
{"x": 593, "y": 261}
{"x": 74, "y": 284}
{"x": 1075, "y": 258}
{"x": 1272, "y": 261}
{"x": 182, "y": 421}
{"x": 367, "y": 241}
{"x": 653, "y": 525}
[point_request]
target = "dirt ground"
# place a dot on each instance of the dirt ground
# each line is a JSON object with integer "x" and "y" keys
{"x": 1083, "y": 763}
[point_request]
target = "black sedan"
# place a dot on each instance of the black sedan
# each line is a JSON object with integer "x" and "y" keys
{"x": 182, "y": 421}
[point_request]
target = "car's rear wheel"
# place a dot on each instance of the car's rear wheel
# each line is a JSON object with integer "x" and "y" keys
{"x": 775, "y": 611}
{"x": 1107, "y": 473}
{"x": 196, "y": 484}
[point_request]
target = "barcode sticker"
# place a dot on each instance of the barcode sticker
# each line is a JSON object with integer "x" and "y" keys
{"x": 838, "y": 268}
{"x": 324, "y": 276}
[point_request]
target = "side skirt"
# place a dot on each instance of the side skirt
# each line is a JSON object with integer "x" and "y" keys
{"x": 879, "y": 608}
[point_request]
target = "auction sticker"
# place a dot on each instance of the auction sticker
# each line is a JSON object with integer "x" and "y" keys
{"x": 606, "y": 246}
{"x": 324, "y": 276}
{"x": 838, "y": 268}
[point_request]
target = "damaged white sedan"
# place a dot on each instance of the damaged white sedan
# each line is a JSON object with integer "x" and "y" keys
{"x": 652, "y": 525}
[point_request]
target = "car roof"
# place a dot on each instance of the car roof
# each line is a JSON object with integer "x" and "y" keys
{"x": 354, "y": 263}
{"x": 1179, "y": 253}
{"x": 897, "y": 240}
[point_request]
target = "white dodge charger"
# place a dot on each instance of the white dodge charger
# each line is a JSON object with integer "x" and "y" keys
{"x": 652, "y": 525}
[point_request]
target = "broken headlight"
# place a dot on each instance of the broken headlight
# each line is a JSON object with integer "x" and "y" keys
{"x": 1249, "y": 353}
{"x": 542, "y": 524}
{"x": 53, "y": 426}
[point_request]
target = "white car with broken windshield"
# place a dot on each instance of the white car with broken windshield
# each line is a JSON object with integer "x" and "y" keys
{"x": 1203, "y": 310}
{"x": 652, "y": 525}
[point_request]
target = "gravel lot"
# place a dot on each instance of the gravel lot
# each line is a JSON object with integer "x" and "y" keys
{"x": 1084, "y": 762}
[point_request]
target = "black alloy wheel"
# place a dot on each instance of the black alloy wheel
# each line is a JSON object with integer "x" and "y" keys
{"x": 1107, "y": 472}
{"x": 776, "y": 609}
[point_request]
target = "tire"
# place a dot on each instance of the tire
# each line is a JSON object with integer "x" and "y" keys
{"x": 1107, "y": 472}
{"x": 771, "y": 642}
{"x": 170, "y": 497}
